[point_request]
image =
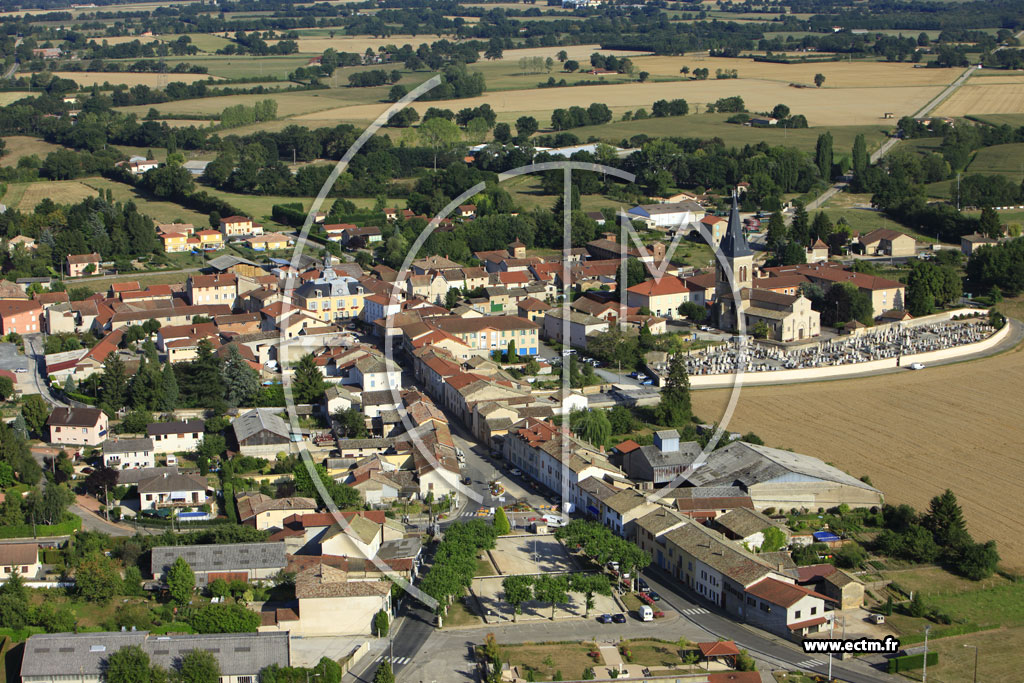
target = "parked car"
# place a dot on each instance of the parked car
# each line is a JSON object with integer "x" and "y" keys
{"x": 515, "y": 472}
{"x": 917, "y": 366}
{"x": 644, "y": 588}
{"x": 613, "y": 565}
{"x": 634, "y": 374}
{"x": 605, "y": 618}
{"x": 647, "y": 382}
{"x": 467, "y": 481}
{"x": 654, "y": 596}
{"x": 619, "y": 618}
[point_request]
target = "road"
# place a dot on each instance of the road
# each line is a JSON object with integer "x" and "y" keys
{"x": 34, "y": 350}
{"x": 888, "y": 145}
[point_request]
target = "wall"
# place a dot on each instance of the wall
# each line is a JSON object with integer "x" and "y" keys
{"x": 851, "y": 370}
{"x": 337, "y": 616}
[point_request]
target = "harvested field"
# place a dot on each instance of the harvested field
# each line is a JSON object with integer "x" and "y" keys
{"x": 343, "y": 43}
{"x": 13, "y": 96}
{"x": 832, "y": 107}
{"x": 19, "y": 146}
{"x": 580, "y": 53}
{"x": 88, "y": 78}
{"x": 302, "y": 103}
{"x": 159, "y": 211}
{"x": 915, "y": 434}
{"x": 860, "y": 74}
{"x": 976, "y": 98}
{"x": 60, "y": 191}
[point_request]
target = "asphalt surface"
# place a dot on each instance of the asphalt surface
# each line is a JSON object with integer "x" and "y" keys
{"x": 34, "y": 350}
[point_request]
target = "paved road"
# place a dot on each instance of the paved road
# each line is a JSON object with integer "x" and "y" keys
{"x": 34, "y": 350}
{"x": 888, "y": 145}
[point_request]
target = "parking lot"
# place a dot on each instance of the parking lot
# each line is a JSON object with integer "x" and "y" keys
{"x": 492, "y": 599}
{"x": 531, "y": 554}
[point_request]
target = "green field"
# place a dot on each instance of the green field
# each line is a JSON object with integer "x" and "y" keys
{"x": 1001, "y": 119}
{"x": 713, "y": 125}
{"x": 159, "y": 211}
{"x": 999, "y": 159}
{"x": 856, "y": 210}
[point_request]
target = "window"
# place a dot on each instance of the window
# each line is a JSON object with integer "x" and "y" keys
{"x": 814, "y": 610}
{"x": 796, "y": 614}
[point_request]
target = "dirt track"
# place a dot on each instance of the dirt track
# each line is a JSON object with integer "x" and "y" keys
{"x": 915, "y": 434}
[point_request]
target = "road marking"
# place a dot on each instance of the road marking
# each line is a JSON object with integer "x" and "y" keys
{"x": 400, "y": 661}
{"x": 694, "y": 611}
{"x": 810, "y": 663}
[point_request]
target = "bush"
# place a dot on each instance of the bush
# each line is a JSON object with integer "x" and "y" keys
{"x": 909, "y": 662}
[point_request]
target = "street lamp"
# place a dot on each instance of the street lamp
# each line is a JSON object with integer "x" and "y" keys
{"x": 975, "y": 661}
{"x": 924, "y": 671}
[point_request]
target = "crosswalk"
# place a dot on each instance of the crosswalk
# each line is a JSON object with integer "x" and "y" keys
{"x": 809, "y": 664}
{"x": 694, "y": 611}
{"x": 396, "y": 661}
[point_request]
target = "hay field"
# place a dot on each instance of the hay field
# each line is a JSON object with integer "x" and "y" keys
{"x": 28, "y": 195}
{"x": 89, "y": 78}
{"x": 975, "y": 98}
{"x": 159, "y": 211}
{"x": 914, "y": 433}
{"x": 858, "y": 74}
{"x": 580, "y": 53}
{"x": 306, "y": 103}
{"x": 13, "y": 96}
{"x": 19, "y": 146}
{"x": 343, "y": 43}
{"x": 831, "y": 107}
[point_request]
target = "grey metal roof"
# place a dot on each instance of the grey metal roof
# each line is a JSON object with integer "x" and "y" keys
{"x": 257, "y": 420}
{"x": 128, "y": 445}
{"x": 687, "y": 453}
{"x": 220, "y": 557}
{"x": 749, "y": 464}
{"x": 227, "y": 261}
{"x": 399, "y": 548}
{"x": 74, "y": 654}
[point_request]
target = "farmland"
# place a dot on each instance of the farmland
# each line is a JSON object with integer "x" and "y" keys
{"x": 88, "y": 78}
{"x": 835, "y": 107}
{"x": 19, "y": 146}
{"x": 858, "y": 213}
{"x": 25, "y": 196}
{"x": 915, "y": 434}
{"x": 982, "y": 98}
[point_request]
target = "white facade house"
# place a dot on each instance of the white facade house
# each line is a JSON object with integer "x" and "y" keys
{"x": 127, "y": 454}
{"x": 375, "y": 374}
{"x": 175, "y": 437}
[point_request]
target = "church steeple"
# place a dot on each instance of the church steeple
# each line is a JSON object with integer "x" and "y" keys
{"x": 734, "y": 244}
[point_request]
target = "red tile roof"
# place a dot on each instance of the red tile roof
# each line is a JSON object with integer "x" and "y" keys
{"x": 720, "y": 648}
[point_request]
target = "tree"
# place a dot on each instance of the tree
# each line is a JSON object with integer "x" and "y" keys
{"x": 917, "y": 608}
{"x": 181, "y": 581}
{"x": 823, "y": 155}
{"x": 384, "y": 674}
{"x": 591, "y": 425}
{"x": 502, "y": 132}
{"x": 525, "y": 127}
{"x": 169, "y": 397}
{"x": 989, "y": 223}
{"x": 590, "y": 585}
{"x": 643, "y": 76}
{"x": 800, "y": 229}
{"x": 381, "y": 624}
{"x": 553, "y": 589}
{"x": 199, "y": 666}
{"x": 6, "y": 388}
{"x": 851, "y": 556}
{"x": 776, "y": 234}
{"x": 36, "y": 413}
{"x": 309, "y": 385}
{"x": 96, "y": 578}
{"x": 819, "y": 80}
{"x": 501, "y": 523}
{"x": 861, "y": 160}
{"x": 439, "y": 134}
{"x": 674, "y": 409}
{"x": 977, "y": 561}
{"x": 518, "y": 589}
{"x": 562, "y": 55}
{"x": 240, "y": 380}
{"x": 774, "y": 539}
{"x": 945, "y": 519}
{"x": 113, "y": 383}
{"x": 571, "y": 65}
{"x": 128, "y": 665}
{"x": 510, "y": 355}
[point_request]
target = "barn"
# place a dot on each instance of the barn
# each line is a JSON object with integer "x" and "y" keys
{"x": 262, "y": 433}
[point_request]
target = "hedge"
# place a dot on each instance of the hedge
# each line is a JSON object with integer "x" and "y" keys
{"x": 909, "y": 662}
{"x": 65, "y": 528}
{"x": 289, "y": 214}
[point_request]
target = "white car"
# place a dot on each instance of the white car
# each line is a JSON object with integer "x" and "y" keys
{"x": 554, "y": 520}
{"x": 917, "y": 366}
{"x": 20, "y": 370}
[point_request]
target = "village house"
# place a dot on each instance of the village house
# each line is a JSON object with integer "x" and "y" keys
{"x": 888, "y": 242}
{"x": 77, "y": 426}
{"x": 228, "y": 561}
{"x": 20, "y": 558}
{"x": 492, "y": 333}
{"x": 262, "y": 433}
{"x": 217, "y": 289}
{"x": 124, "y": 454}
{"x": 239, "y": 226}
{"x": 580, "y": 326}
{"x": 168, "y": 488}
{"x": 662, "y": 296}
{"x": 263, "y": 512}
{"x": 183, "y": 436}
{"x": 20, "y": 317}
{"x": 269, "y": 241}
{"x": 82, "y": 264}
{"x": 667, "y": 215}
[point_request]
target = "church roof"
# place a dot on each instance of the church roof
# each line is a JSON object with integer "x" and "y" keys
{"x": 734, "y": 244}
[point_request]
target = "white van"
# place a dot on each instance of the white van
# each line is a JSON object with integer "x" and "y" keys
{"x": 646, "y": 613}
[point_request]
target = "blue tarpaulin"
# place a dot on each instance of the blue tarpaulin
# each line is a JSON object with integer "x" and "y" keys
{"x": 825, "y": 537}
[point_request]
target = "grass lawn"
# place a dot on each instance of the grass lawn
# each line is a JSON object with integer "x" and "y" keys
{"x": 932, "y": 581}
{"x": 144, "y": 280}
{"x": 999, "y": 657}
{"x": 160, "y": 211}
{"x": 654, "y": 653}
{"x": 459, "y": 614}
{"x": 856, "y": 209}
{"x": 631, "y": 602}
{"x": 713, "y": 125}
{"x": 484, "y": 567}
{"x": 1000, "y": 159}
{"x": 18, "y": 146}
{"x": 259, "y": 207}
{"x": 545, "y": 659}
{"x": 25, "y": 196}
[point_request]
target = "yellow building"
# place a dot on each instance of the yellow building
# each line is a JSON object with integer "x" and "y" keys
{"x": 332, "y": 297}
{"x": 210, "y": 240}
{"x": 174, "y": 242}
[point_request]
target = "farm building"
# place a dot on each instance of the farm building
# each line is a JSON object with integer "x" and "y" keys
{"x": 261, "y": 433}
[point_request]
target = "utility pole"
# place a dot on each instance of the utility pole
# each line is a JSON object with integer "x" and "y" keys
{"x": 831, "y": 632}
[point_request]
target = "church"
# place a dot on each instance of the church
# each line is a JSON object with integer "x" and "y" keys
{"x": 787, "y": 317}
